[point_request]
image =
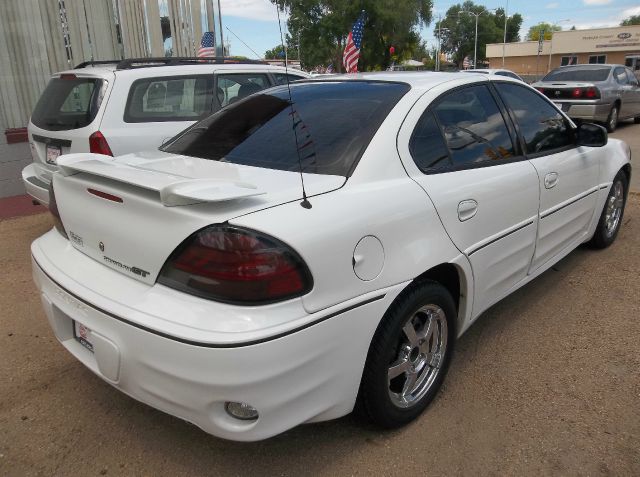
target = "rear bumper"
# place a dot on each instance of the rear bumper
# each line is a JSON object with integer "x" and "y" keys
{"x": 310, "y": 374}
{"x": 35, "y": 186}
{"x": 585, "y": 111}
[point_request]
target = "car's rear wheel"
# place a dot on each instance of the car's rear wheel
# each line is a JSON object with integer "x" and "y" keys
{"x": 409, "y": 355}
{"x": 612, "y": 213}
{"x": 636, "y": 120}
{"x": 612, "y": 120}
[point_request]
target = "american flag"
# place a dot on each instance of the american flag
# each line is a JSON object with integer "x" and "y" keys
{"x": 207, "y": 45}
{"x": 351, "y": 53}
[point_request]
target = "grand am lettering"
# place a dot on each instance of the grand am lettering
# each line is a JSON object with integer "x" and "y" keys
{"x": 135, "y": 270}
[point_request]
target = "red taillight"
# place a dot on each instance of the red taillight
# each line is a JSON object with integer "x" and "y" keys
{"x": 541, "y": 90}
{"x": 99, "y": 145}
{"x": 53, "y": 208}
{"x": 577, "y": 92}
{"x": 592, "y": 93}
{"x": 236, "y": 265}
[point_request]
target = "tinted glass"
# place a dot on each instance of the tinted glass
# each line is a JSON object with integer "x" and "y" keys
{"x": 234, "y": 87}
{"x": 541, "y": 124}
{"x": 68, "y": 103}
{"x": 281, "y": 78}
{"x": 473, "y": 126}
{"x": 427, "y": 145}
{"x": 620, "y": 75}
{"x": 508, "y": 74}
{"x": 632, "y": 78}
{"x": 333, "y": 124}
{"x": 595, "y": 59}
{"x": 178, "y": 98}
{"x": 578, "y": 74}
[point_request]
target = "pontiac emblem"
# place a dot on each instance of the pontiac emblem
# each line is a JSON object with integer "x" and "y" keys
{"x": 101, "y": 246}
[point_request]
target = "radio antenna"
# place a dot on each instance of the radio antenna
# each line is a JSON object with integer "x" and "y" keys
{"x": 305, "y": 202}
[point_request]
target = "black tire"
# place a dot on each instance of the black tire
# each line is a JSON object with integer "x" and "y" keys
{"x": 605, "y": 235}
{"x": 636, "y": 120}
{"x": 375, "y": 401}
{"x": 612, "y": 119}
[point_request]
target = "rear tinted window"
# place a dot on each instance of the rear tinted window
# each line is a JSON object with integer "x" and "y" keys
{"x": 578, "y": 74}
{"x": 328, "y": 125}
{"x": 68, "y": 103}
{"x": 176, "y": 98}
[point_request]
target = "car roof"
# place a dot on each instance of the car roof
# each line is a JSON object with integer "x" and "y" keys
{"x": 420, "y": 80}
{"x": 109, "y": 69}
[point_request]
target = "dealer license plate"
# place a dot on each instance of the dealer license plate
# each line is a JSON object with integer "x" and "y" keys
{"x": 52, "y": 154}
{"x": 83, "y": 335}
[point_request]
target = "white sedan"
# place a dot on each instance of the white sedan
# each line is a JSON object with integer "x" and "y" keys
{"x": 202, "y": 281}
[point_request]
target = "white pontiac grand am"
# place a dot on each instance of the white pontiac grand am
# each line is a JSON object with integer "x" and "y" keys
{"x": 199, "y": 280}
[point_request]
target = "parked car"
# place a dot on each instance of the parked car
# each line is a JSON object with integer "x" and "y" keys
{"x": 119, "y": 107}
{"x": 302, "y": 251}
{"x": 603, "y": 93}
{"x": 494, "y": 71}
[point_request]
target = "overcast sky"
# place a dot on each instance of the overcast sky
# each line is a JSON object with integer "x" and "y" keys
{"x": 255, "y": 21}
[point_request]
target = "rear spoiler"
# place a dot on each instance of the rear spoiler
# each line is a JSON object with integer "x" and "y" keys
{"x": 174, "y": 190}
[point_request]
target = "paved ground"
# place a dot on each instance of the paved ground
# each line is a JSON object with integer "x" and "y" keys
{"x": 547, "y": 382}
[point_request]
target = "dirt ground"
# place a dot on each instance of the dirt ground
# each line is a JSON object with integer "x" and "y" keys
{"x": 547, "y": 382}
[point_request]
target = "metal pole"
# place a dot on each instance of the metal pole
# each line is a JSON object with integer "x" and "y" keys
{"x": 504, "y": 40}
{"x": 439, "y": 43}
{"x": 475, "y": 49}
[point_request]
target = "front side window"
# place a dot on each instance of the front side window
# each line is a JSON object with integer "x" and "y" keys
{"x": 183, "y": 98}
{"x": 236, "y": 86}
{"x": 632, "y": 78}
{"x": 473, "y": 127}
{"x": 323, "y": 129}
{"x": 541, "y": 124}
{"x": 68, "y": 102}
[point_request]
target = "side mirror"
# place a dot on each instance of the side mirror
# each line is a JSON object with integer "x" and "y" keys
{"x": 592, "y": 135}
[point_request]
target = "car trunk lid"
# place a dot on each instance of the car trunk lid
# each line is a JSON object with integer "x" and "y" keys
{"x": 131, "y": 212}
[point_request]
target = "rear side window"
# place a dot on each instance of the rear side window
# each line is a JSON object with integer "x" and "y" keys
{"x": 541, "y": 124}
{"x": 175, "y": 98}
{"x": 68, "y": 102}
{"x": 427, "y": 145}
{"x": 234, "y": 87}
{"x": 473, "y": 127}
{"x": 281, "y": 78}
{"x": 620, "y": 75}
{"x": 326, "y": 127}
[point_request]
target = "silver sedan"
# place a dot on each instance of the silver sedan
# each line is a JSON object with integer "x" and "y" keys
{"x": 604, "y": 93}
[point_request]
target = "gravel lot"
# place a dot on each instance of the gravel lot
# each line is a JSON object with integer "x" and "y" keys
{"x": 546, "y": 382}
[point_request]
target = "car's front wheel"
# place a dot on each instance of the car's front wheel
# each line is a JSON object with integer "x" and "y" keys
{"x": 409, "y": 355}
{"x": 612, "y": 120}
{"x": 611, "y": 217}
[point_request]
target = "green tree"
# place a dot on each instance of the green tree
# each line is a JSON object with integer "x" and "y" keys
{"x": 534, "y": 31}
{"x": 322, "y": 27}
{"x": 277, "y": 53}
{"x": 632, "y": 20}
{"x": 458, "y": 30}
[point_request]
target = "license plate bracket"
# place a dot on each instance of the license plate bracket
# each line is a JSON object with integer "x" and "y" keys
{"x": 83, "y": 335}
{"x": 52, "y": 154}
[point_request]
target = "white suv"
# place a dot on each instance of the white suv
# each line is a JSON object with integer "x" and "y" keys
{"x": 118, "y": 107}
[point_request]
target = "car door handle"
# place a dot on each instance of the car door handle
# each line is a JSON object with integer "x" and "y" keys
{"x": 551, "y": 180}
{"x": 467, "y": 209}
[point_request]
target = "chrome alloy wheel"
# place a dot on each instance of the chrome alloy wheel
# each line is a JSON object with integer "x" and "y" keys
{"x": 421, "y": 351}
{"x": 613, "y": 118}
{"x": 614, "y": 206}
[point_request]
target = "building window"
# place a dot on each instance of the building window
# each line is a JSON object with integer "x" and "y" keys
{"x": 568, "y": 60}
{"x": 597, "y": 59}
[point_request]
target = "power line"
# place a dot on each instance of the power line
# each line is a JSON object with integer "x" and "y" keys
{"x": 254, "y": 51}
